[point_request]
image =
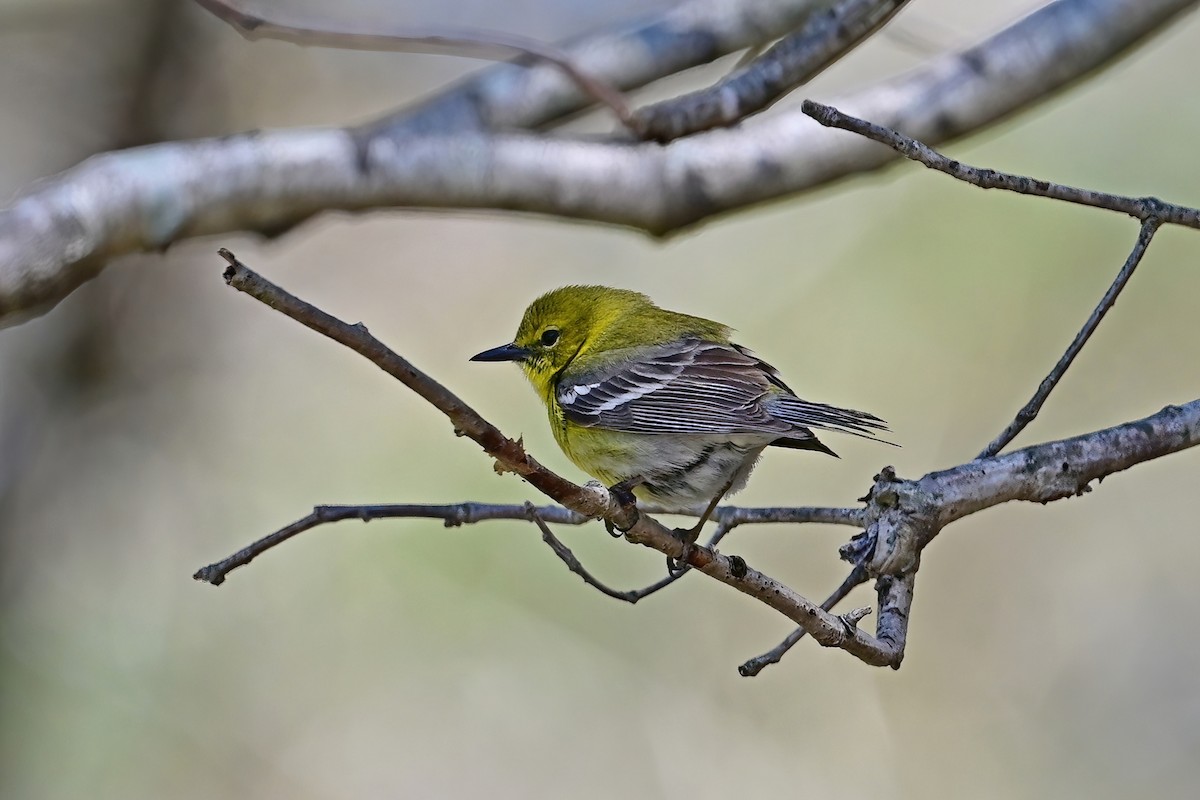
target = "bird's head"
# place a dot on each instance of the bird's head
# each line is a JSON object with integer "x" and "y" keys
{"x": 563, "y": 324}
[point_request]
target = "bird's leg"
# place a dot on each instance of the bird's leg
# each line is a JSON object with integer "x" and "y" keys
{"x": 623, "y": 492}
{"x": 690, "y": 535}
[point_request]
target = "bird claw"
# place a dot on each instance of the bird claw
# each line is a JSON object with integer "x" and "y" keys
{"x": 622, "y": 492}
{"x": 677, "y": 566}
{"x": 613, "y": 530}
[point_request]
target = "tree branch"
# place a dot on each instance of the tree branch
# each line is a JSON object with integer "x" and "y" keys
{"x": 60, "y": 232}
{"x": 1142, "y": 208}
{"x": 489, "y": 45}
{"x": 630, "y": 596}
{"x": 903, "y": 516}
{"x": 1151, "y": 211}
{"x": 1030, "y": 410}
{"x": 625, "y": 57}
{"x": 751, "y": 668}
{"x": 793, "y": 61}
{"x": 452, "y": 516}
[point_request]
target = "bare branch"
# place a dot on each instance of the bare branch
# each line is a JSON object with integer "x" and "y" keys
{"x": 741, "y": 515}
{"x": 451, "y": 515}
{"x": 1030, "y": 411}
{"x": 793, "y": 61}
{"x": 564, "y": 553}
{"x": 1142, "y": 208}
{"x": 857, "y": 577}
{"x": 456, "y": 514}
{"x": 903, "y": 516}
{"x": 895, "y": 593}
{"x": 489, "y": 45}
{"x": 61, "y": 231}
{"x": 1065, "y": 468}
{"x": 628, "y": 56}
{"x": 630, "y": 596}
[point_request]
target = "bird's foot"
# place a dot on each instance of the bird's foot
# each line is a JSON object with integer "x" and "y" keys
{"x": 622, "y": 492}
{"x": 676, "y": 566}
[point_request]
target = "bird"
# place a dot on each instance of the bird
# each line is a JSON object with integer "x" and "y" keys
{"x": 658, "y": 402}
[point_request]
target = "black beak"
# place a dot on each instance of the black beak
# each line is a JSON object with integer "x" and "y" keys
{"x": 505, "y": 352}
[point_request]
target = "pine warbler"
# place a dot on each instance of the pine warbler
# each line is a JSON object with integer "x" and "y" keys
{"x": 660, "y": 401}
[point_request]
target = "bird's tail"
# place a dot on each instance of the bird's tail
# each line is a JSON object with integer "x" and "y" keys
{"x": 792, "y": 409}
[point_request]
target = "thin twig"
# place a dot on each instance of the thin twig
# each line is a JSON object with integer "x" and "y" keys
{"x": 451, "y": 516}
{"x": 857, "y": 577}
{"x": 486, "y": 45}
{"x": 573, "y": 563}
{"x": 1142, "y": 208}
{"x": 792, "y": 61}
{"x": 1152, "y": 212}
{"x": 456, "y": 514}
{"x": 1030, "y": 411}
{"x": 630, "y": 596}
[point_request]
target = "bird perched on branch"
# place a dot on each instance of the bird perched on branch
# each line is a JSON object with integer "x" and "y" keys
{"x": 657, "y": 401}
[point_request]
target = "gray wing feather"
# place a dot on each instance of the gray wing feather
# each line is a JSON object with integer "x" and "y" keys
{"x": 697, "y": 387}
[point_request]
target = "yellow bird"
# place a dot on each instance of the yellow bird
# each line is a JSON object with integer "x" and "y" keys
{"x": 659, "y": 401}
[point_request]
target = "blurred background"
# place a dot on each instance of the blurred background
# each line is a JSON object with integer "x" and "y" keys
{"x": 156, "y": 421}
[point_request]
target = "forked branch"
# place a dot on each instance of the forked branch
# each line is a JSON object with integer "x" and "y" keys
{"x": 791, "y": 62}
{"x": 1152, "y": 212}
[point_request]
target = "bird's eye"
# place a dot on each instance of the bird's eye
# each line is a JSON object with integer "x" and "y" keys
{"x": 550, "y": 337}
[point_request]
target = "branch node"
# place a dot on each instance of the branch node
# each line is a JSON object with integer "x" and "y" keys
{"x": 900, "y": 518}
{"x": 1154, "y": 208}
{"x": 852, "y": 617}
{"x": 888, "y": 498}
{"x": 859, "y": 549}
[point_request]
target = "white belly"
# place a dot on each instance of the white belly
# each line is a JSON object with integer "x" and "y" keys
{"x": 684, "y": 471}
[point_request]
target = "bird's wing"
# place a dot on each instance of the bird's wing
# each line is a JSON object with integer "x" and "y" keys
{"x": 697, "y": 387}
